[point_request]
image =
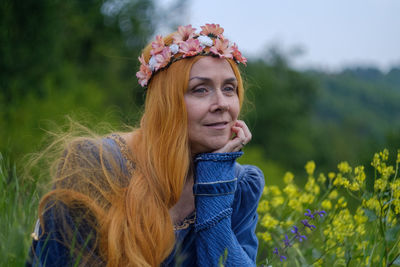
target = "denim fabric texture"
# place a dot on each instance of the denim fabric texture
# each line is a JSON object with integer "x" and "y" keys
{"x": 226, "y": 200}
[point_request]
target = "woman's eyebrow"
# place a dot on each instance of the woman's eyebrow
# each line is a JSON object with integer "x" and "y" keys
{"x": 233, "y": 79}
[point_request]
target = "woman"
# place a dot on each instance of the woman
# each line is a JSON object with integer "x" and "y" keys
{"x": 168, "y": 193}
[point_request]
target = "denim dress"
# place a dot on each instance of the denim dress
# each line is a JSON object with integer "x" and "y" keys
{"x": 221, "y": 229}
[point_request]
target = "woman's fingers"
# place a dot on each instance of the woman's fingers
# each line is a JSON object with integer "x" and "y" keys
{"x": 246, "y": 131}
{"x": 242, "y": 137}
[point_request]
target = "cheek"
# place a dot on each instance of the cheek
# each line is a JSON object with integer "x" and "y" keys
{"x": 193, "y": 110}
{"x": 235, "y": 109}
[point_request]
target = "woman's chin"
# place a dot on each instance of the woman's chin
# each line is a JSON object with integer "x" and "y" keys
{"x": 209, "y": 148}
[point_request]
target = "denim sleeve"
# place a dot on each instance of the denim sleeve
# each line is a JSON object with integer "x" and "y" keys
{"x": 216, "y": 183}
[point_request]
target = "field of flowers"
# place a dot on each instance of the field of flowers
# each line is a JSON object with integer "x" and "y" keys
{"x": 338, "y": 219}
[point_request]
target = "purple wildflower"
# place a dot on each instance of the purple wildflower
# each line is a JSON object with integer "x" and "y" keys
{"x": 309, "y": 214}
{"x": 307, "y": 224}
{"x": 286, "y": 241}
{"x": 295, "y": 231}
{"x": 281, "y": 256}
{"x": 320, "y": 213}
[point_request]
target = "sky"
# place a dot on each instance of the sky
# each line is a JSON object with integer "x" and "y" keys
{"x": 331, "y": 34}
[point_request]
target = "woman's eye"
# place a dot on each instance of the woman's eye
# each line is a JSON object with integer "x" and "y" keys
{"x": 200, "y": 90}
{"x": 229, "y": 89}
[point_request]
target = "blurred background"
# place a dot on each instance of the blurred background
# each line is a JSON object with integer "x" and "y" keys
{"x": 323, "y": 78}
{"x": 323, "y": 82}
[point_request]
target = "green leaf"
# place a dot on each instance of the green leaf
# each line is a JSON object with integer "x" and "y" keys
{"x": 316, "y": 254}
{"x": 391, "y": 234}
{"x": 370, "y": 214}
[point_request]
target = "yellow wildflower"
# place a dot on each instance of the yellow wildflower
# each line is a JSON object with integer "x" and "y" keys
{"x": 277, "y": 201}
{"x": 291, "y": 190}
{"x": 376, "y": 161}
{"x": 360, "y": 174}
{"x": 310, "y": 167}
{"x": 343, "y": 225}
{"x": 288, "y": 177}
{"x": 306, "y": 198}
{"x": 398, "y": 157}
{"x": 362, "y": 245}
{"x": 396, "y": 204}
{"x": 344, "y": 167}
{"x": 321, "y": 178}
{"x": 329, "y": 244}
{"x": 360, "y": 217}
{"x": 384, "y": 154}
{"x": 340, "y": 252}
{"x": 265, "y": 236}
{"x": 342, "y": 202}
{"x": 333, "y": 194}
{"x": 263, "y": 206}
{"x": 295, "y": 204}
{"x": 268, "y": 221}
{"x": 380, "y": 184}
{"x": 372, "y": 204}
{"x": 361, "y": 229}
{"x": 286, "y": 224}
{"x": 331, "y": 175}
{"x": 275, "y": 191}
{"x": 341, "y": 181}
{"x": 395, "y": 186}
{"x": 354, "y": 186}
{"x": 387, "y": 171}
{"x": 311, "y": 186}
{"x": 326, "y": 204}
{"x": 318, "y": 263}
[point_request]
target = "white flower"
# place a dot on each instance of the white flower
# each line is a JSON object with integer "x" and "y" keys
{"x": 152, "y": 63}
{"x": 174, "y": 48}
{"x": 205, "y": 40}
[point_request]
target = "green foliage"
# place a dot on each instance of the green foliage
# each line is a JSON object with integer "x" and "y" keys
{"x": 273, "y": 171}
{"x": 282, "y": 100}
{"x": 356, "y": 109}
{"x": 67, "y": 56}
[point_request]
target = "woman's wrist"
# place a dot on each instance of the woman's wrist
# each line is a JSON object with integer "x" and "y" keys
{"x": 214, "y": 167}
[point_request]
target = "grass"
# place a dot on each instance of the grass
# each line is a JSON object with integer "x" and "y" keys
{"x": 18, "y": 213}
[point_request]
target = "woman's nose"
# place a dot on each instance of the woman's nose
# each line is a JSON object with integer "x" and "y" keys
{"x": 220, "y": 102}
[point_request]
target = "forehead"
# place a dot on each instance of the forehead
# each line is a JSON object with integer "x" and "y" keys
{"x": 211, "y": 67}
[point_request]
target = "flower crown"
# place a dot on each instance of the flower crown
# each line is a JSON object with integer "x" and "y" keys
{"x": 187, "y": 43}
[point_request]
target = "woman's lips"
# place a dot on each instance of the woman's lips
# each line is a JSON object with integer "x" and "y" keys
{"x": 217, "y": 125}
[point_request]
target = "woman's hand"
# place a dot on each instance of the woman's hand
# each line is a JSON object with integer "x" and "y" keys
{"x": 242, "y": 137}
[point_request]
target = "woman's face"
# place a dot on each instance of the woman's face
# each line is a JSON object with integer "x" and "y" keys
{"x": 212, "y": 104}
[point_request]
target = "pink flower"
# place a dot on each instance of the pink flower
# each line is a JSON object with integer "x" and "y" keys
{"x": 144, "y": 74}
{"x": 222, "y": 48}
{"x": 162, "y": 58}
{"x": 141, "y": 60}
{"x": 158, "y": 45}
{"x": 184, "y": 33}
{"x": 237, "y": 55}
{"x": 212, "y": 29}
{"x": 190, "y": 48}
